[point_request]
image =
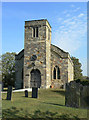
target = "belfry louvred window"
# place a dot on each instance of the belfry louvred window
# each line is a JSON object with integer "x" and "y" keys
{"x": 35, "y": 32}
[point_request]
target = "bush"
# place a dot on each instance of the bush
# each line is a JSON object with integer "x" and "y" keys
{"x": 83, "y": 81}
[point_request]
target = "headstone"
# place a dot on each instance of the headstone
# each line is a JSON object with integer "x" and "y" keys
{"x": 87, "y": 114}
{"x": 26, "y": 93}
{"x": 72, "y": 95}
{"x": 77, "y": 95}
{"x": 34, "y": 92}
{"x": 84, "y": 97}
{"x": 9, "y": 93}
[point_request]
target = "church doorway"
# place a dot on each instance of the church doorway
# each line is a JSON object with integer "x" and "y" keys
{"x": 35, "y": 78}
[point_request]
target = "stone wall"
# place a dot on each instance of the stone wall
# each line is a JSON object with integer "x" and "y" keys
{"x": 77, "y": 95}
{"x": 19, "y": 62}
{"x": 59, "y": 58}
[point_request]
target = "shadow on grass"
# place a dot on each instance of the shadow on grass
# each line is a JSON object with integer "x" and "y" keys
{"x": 26, "y": 97}
{"x": 19, "y": 114}
{"x": 59, "y": 92}
{"x": 54, "y": 104}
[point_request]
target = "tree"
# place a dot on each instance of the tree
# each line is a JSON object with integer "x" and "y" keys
{"x": 77, "y": 68}
{"x": 0, "y": 71}
{"x": 8, "y": 68}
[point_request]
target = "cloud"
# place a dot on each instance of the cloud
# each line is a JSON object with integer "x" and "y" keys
{"x": 72, "y": 6}
{"x": 81, "y": 15}
{"x": 67, "y": 15}
{"x": 70, "y": 33}
{"x": 59, "y": 19}
{"x": 64, "y": 12}
{"x": 75, "y": 10}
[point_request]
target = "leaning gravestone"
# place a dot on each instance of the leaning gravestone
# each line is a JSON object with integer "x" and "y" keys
{"x": 9, "y": 93}
{"x": 34, "y": 92}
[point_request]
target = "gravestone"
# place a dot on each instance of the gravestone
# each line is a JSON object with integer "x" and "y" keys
{"x": 26, "y": 93}
{"x": 72, "y": 96}
{"x": 84, "y": 97}
{"x": 77, "y": 95}
{"x": 34, "y": 92}
{"x": 9, "y": 93}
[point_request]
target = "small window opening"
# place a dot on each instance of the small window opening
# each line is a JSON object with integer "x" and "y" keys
{"x": 54, "y": 73}
{"x": 58, "y": 73}
{"x": 35, "y": 32}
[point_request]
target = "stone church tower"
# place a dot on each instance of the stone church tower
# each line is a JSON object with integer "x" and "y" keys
{"x": 37, "y": 44}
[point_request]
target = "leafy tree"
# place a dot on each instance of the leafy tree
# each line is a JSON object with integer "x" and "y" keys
{"x": 77, "y": 68}
{"x": 8, "y": 68}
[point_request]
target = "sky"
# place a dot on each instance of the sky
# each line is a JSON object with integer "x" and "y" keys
{"x": 67, "y": 19}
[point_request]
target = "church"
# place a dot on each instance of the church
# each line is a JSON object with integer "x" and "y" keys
{"x": 41, "y": 64}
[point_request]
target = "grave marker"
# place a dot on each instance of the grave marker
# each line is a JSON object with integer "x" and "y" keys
{"x": 26, "y": 93}
{"x": 9, "y": 92}
{"x": 34, "y": 92}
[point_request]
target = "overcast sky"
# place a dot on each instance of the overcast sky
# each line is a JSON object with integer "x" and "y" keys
{"x": 68, "y": 21}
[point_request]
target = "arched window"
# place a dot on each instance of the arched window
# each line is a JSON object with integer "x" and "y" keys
{"x": 56, "y": 73}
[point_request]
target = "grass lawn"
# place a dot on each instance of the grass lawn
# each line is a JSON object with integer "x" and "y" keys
{"x": 50, "y": 104}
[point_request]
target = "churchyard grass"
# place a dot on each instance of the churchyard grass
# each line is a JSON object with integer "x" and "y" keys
{"x": 50, "y": 103}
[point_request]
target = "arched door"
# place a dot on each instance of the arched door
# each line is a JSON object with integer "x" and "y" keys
{"x": 35, "y": 78}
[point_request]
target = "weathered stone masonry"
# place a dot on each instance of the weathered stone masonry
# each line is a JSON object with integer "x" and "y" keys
{"x": 61, "y": 59}
{"x": 49, "y": 57}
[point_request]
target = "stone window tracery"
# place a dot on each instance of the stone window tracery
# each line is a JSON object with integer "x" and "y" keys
{"x": 56, "y": 73}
